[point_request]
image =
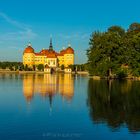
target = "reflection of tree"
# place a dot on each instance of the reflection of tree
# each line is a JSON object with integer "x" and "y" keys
{"x": 115, "y": 102}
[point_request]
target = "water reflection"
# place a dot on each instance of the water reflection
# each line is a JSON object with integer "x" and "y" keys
{"x": 116, "y": 103}
{"x": 48, "y": 85}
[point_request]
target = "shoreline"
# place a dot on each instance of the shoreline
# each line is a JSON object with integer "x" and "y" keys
{"x": 115, "y": 78}
{"x": 73, "y": 73}
{"x": 42, "y": 72}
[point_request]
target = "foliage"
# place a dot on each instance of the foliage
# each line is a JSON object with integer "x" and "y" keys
{"x": 110, "y": 50}
{"x": 62, "y": 67}
{"x": 40, "y": 67}
{"x": 10, "y": 65}
{"x": 11, "y": 68}
{"x": 14, "y": 66}
{"x": 79, "y": 67}
{"x": 26, "y": 67}
{"x": 34, "y": 67}
{"x": 21, "y": 68}
{"x": 121, "y": 73}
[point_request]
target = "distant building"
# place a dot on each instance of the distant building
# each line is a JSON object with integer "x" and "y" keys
{"x": 47, "y": 69}
{"x": 48, "y": 57}
{"x": 68, "y": 70}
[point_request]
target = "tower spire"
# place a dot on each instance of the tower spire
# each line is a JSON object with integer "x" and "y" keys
{"x": 51, "y": 46}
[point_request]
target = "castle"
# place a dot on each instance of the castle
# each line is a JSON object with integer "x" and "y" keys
{"x": 48, "y": 57}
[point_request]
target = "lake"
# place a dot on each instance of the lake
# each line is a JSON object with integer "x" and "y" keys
{"x": 65, "y": 106}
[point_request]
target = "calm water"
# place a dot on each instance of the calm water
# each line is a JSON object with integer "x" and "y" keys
{"x": 68, "y": 107}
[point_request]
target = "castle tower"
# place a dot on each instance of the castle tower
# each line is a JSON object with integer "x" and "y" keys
{"x": 51, "y": 46}
{"x": 29, "y": 56}
{"x": 68, "y": 56}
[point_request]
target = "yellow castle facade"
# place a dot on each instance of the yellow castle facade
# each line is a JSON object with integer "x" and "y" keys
{"x": 48, "y": 57}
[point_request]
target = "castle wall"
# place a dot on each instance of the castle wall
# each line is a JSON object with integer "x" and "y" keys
{"x": 60, "y": 60}
{"x": 40, "y": 60}
{"x": 68, "y": 59}
{"x": 29, "y": 59}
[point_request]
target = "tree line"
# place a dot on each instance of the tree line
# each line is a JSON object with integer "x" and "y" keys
{"x": 115, "y": 52}
{"x": 14, "y": 66}
{"x": 79, "y": 67}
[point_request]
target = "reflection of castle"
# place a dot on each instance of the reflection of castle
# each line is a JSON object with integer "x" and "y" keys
{"x": 48, "y": 85}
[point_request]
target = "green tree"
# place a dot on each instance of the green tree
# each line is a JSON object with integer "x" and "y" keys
{"x": 26, "y": 67}
{"x": 62, "y": 67}
{"x": 34, "y": 67}
{"x": 10, "y": 65}
{"x": 117, "y": 29}
{"x": 16, "y": 67}
{"x": 21, "y": 67}
{"x": 11, "y": 68}
{"x": 3, "y": 66}
{"x": 134, "y": 27}
{"x": 110, "y": 50}
{"x": 105, "y": 51}
{"x": 40, "y": 67}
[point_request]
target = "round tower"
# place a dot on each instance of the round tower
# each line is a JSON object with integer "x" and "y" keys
{"x": 29, "y": 56}
{"x": 69, "y": 56}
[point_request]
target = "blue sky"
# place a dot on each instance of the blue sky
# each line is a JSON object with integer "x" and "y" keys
{"x": 68, "y": 21}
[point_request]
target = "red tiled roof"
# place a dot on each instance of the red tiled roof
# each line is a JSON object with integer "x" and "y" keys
{"x": 45, "y": 52}
{"x": 29, "y": 49}
{"x": 53, "y": 55}
{"x": 69, "y": 50}
{"x": 39, "y": 54}
{"x": 49, "y": 53}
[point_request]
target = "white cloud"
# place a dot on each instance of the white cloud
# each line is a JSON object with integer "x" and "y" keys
{"x": 85, "y": 36}
{"x": 13, "y": 22}
{"x": 76, "y": 36}
{"x": 26, "y": 35}
{"x": 23, "y": 32}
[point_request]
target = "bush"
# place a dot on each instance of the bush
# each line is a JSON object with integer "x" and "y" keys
{"x": 3, "y": 66}
{"x": 11, "y": 68}
{"x": 136, "y": 72}
{"x": 40, "y": 67}
{"x": 121, "y": 74}
{"x": 62, "y": 67}
{"x": 26, "y": 67}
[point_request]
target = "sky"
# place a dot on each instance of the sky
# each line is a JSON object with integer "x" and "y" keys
{"x": 67, "y": 21}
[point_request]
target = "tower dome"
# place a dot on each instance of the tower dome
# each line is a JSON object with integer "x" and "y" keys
{"x": 69, "y": 50}
{"x": 29, "y": 49}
